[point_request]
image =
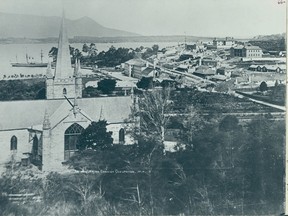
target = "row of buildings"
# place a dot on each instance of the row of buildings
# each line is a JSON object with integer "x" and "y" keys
{"x": 247, "y": 51}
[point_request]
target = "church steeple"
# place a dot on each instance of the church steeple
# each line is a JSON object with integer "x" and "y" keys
{"x": 63, "y": 64}
{"x": 64, "y": 81}
{"x": 49, "y": 73}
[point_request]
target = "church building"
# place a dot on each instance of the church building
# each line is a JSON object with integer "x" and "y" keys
{"x": 45, "y": 132}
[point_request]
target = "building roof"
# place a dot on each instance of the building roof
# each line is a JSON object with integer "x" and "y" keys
{"x": 136, "y": 61}
{"x": 253, "y": 66}
{"x": 204, "y": 70}
{"x": 238, "y": 47}
{"x": 183, "y": 66}
{"x": 219, "y": 77}
{"x": 25, "y": 114}
{"x": 209, "y": 59}
{"x": 147, "y": 71}
{"x": 269, "y": 67}
{"x": 250, "y": 47}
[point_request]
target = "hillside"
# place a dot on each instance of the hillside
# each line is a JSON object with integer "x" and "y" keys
{"x": 269, "y": 37}
{"x": 31, "y": 26}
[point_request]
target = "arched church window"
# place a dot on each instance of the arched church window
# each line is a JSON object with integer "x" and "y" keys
{"x": 64, "y": 91}
{"x": 71, "y": 139}
{"x": 122, "y": 136}
{"x": 35, "y": 147}
{"x": 13, "y": 143}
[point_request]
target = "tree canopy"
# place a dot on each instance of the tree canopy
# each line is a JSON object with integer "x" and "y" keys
{"x": 145, "y": 83}
{"x": 95, "y": 136}
{"x": 263, "y": 86}
{"x": 107, "y": 86}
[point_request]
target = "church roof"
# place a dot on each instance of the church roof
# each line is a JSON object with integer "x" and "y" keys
{"x": 26, "y": 114}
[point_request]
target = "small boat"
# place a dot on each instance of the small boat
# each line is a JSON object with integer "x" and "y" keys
{"x": 29, "y": 63}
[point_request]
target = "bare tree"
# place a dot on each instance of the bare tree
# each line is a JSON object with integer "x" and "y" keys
{"x": 154, "y": 109}
{"x": 84, "y": 185}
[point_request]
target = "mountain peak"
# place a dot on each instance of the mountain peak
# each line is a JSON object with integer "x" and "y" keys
{"x": 31, "y": 26}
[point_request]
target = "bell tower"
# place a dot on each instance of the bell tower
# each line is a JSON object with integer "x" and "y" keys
{"x": 63, "y": 82}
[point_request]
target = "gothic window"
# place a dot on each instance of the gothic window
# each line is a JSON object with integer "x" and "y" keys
{"x": 71, "y": 139}
{"x": 13, "y": 143}
{"x": 35, "y": 147}
{"x": 64, "y": 91}
{"x": 122, "y": 136}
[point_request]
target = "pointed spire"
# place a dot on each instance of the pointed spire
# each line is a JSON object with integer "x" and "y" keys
{"x": 63, "y": 63}
{"x": 46, "y": 122}
{"x": 79, "y": 68}
{"x": 101, "y": 117}
{"x": 49, "y": 73}
{"x": 75, "y": 68}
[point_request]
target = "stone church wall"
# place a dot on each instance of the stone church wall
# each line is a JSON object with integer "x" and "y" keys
{"x": 53, "y": 152}
{"x": 23, "y": 146}
{"x": 115, "y": 128}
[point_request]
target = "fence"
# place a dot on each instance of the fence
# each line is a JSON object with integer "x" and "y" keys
{"x": 25, "y": 197}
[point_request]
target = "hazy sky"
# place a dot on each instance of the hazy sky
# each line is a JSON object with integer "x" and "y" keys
{"x": 238, "y": 18}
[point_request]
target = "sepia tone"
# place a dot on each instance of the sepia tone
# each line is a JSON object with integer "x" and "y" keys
{"x": 142, "y": 107}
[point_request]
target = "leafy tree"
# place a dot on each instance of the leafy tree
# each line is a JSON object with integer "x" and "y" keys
{"x": 148, "y": 53}
{"x": 276, "y": 83}
{"x": 53, "y": 53}
{"x": 107, "y": 86}
{"x": 75, "y": 53}
{"x": 92, "y": 51}
{"x": 90, "y": 92}
{"x": 95, "y": 136}
{"x": 29, "y": 89}
{"x": 85, "y": 48}
{"x": 262, "y": 161}
{"x": 145, "y": 83}
{"x": 263, "y": 86}
{"x": 155, "y": 48}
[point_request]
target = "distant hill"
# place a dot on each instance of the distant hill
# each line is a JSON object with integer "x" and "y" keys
{"x": 275, "y": 42}
{"x": 269, "y": 37}
{"x": 120, "y": 39}
{"x": 31, "y": 26}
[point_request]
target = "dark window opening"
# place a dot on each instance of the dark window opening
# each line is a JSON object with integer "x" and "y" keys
{"x": 35, "y": 147}
{"x": 13, "y": 143}
{"x": 122, "y": 136}
{"x": 71, "y": 139}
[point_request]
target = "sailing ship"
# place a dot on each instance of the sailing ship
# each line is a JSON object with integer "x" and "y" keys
{"x": 30, "y": 63}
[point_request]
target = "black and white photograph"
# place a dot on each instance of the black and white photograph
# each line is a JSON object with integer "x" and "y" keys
{"x": 143, "y": 107}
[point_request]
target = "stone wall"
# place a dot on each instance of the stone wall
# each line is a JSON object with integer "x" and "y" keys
{"x": 23, "y": 146}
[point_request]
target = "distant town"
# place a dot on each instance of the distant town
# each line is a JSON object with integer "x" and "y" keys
{"x": 194, "y": 128}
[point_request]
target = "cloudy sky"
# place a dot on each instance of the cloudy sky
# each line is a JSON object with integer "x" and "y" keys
{"x": 238, "y": 18}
